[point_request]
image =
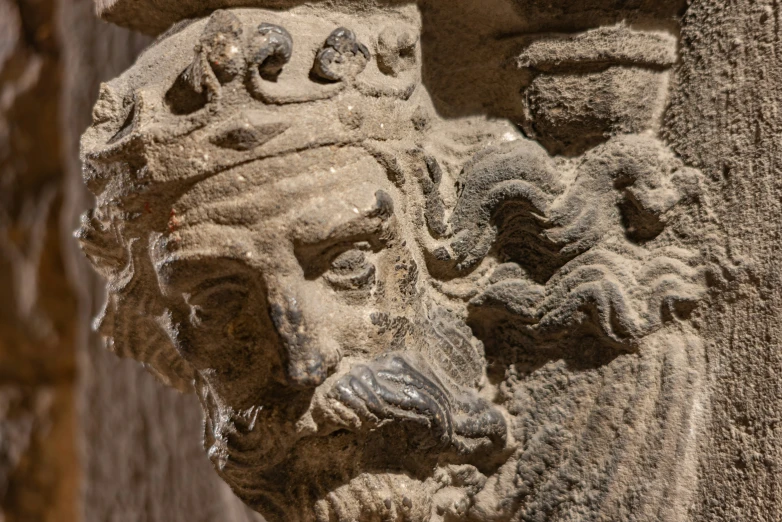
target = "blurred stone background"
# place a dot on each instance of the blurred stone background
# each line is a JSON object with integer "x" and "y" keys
{"x": 83, "y": 435}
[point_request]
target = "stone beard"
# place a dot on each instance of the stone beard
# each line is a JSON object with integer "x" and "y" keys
{"x": 392, "y": 315}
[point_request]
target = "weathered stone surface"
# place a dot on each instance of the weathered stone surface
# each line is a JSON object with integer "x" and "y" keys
{"x": 417, "y": 262}
{"x": 723, "y": 120}
{"x": 67, "y": 451}
{"x": 140, "y": 459}
{"x": 154, "y": 17}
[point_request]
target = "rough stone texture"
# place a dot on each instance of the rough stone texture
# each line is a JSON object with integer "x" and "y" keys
{"x": 52, "y": 451}
{"x": 38, "y": 466}
{"x": 429, "y": 262}
{"x": 140, "y": 460}
{"x": 153, "y": 16}
{"x": 723, "y": 119}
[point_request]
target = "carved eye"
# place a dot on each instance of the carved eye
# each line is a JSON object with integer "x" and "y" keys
{"x": 351, "y": 270}
{"x": 341, "y": 57}
{"x": 217, "y": 305}
{"x": 271, "y": 48}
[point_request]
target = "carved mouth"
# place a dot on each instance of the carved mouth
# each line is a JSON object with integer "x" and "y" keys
{"x": 262, "y": 439}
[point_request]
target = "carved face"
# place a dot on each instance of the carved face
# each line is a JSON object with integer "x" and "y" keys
{"x": 297, "y": 304}
{"x": 273, "y": 297}
{"x": 261, "y": 246}
{"x": 288, "y": 228}
{"x": 294, "y": 264}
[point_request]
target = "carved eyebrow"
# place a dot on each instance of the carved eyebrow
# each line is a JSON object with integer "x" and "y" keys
{"x": 361, "y": 229}
{"x": 371, "y": 224}
{"x": 210, "y": 283}
{"x": 197, "y": 274}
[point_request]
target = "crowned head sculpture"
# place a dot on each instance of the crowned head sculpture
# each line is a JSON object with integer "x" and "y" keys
{"x": 392, "y": 315}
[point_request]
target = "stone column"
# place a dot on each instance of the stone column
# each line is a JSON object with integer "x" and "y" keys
{"x": 723, "y": 119}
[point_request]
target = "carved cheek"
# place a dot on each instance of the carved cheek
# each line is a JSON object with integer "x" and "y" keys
{"x": 185, "y": 338}
{"x": 321, "y": 325}
{"x": 227, "y": 331}
{"x": 363, "y": 331}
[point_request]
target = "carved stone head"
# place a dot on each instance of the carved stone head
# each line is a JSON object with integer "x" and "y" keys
{"x": 252, "y": 225}
{"x": 373, "y": 301}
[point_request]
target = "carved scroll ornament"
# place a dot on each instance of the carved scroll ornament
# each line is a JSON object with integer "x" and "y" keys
{"x": 392, "y": 315}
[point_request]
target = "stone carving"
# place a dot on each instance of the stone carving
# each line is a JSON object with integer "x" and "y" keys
{"x": 392, "y": 315}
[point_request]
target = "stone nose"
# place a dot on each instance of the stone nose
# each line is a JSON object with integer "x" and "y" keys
{"x": 250, "y": 130}
{"x": 306, "y": 364}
